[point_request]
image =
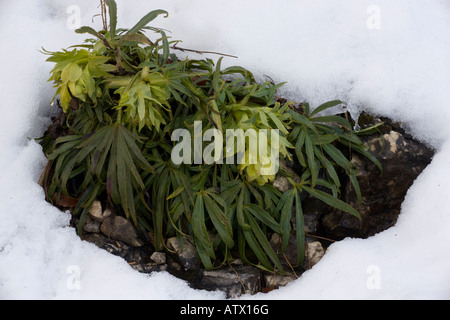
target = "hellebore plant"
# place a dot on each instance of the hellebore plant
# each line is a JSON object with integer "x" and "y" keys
{"x": 123, "y": 95}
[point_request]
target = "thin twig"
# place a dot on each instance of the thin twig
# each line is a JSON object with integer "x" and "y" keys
{"x": 318, "y": 237}
{"x": 94, "y": 16}
{"x": 239, "y": 278}
{"x": 104, "y": 18}
{"x": 290, "y": 265}
{"x": 175, "y": 47}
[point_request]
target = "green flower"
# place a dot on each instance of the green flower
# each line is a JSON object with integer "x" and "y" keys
{"x": 145, "y": 102}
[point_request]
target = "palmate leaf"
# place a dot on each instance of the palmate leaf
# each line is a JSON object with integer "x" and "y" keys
{"x": 258, "y": 242}
{"x": 78, "y": 154}
{"x": 123, "y": 180}
{"x": 217, "y": 213}
{"x": 210, "y": 206}
{"x": 200, "y": 233}
{"x": 252, "y": 220}
{"x": 291, "y": 199}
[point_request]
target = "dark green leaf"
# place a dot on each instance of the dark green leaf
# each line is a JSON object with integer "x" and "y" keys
{"x": 240, "y": 212}
{"x": 300, "y": 229}
{"x": 332, "y": 201}
{"x": 112, "y": 8}
{"x": 166, "y": 49}
{"x": 264, "y": 243}
{"x": 297, "y": 117}
{"x": 355, "y": 184}
{"x": 326, "y": 105}
{"x": 299, "y": 147}
{"x": 312, "y": 165}
{"x": 220, "y": 221}
{"x": 328, "y": 166}
{"x": 139, "y": 38}
{"x": 239, "y": 70}
{"x": 88, "y": 30}
{"x": 263, "y": 216}
{"x": 338, "y": 157}
{"x": 362, "y": 150}
{"x": 285, "y": 205}
{"x": 336, "y": 119}
{"x": 319, "y": 139}
{"x": 146, "y": 20}
{"x": 217, "y": 76}
{"x": 198, "y": 222}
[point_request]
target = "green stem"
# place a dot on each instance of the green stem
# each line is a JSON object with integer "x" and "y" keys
{"x": 119, "y": 116}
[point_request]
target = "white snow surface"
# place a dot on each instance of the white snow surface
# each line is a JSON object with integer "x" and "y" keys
{"x": 324, "y": 49}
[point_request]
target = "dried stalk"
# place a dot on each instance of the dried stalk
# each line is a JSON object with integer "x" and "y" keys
{"x": 104, "y": 16}
{"x": 175, "y": 47}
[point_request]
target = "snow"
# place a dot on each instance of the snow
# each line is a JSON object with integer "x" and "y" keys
{"x": 387, "y": 57}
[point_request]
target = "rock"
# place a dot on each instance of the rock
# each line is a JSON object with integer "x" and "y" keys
{"x": 185, "y": 253}
{"x": 173, "y": 264}
{"x": 233, "y": 281}
{"x": 314, "y": 252}
{"x": 287, "y": 258}
{"x": 91, "y": 225}
{"x": 281, "y": 184}
{"x": 403, "y": 159}
{"x": 158, "y": 257}
{"x": 150, "y": 267}
{"x": 237, "y": 262}
{"x": 133, "y": 255}
{"x": 312, "y": 209}
{"x": 275, "y": 280}
{"x": 96, "y": 212}
{"x": 119, "y": 228}
{"x": 96, "y": 238}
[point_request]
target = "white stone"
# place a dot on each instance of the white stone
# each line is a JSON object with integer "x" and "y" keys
{"x": 315, "y": 252}
{"x": 96, "y": 212}
{"x": 158, "y": 257}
